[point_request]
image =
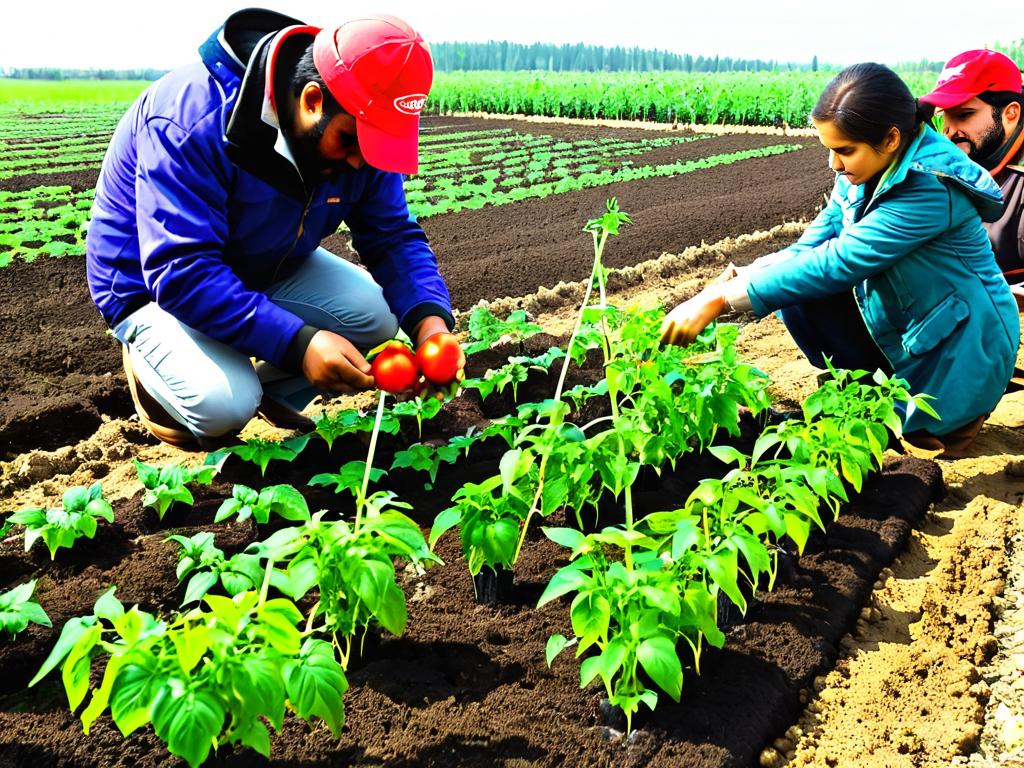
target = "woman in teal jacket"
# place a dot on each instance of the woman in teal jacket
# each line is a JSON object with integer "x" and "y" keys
{"x": 897, "y": 271}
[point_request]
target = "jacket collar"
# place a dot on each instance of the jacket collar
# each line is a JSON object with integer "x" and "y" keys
{"x": 934, "y": 154}
{"x": 246, "y": 49}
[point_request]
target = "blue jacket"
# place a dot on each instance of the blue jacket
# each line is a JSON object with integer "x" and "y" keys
{"x": 923, "y": 273}
{"x": 197, "y": 211}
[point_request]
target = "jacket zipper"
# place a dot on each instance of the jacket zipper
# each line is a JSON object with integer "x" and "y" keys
{"x": 295, "y": 241}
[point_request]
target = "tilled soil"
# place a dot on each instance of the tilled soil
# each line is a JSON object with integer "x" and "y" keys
{"x": 449, "y": 707}
{"x": 468, "y": 683}
{"x": 61, "y": 373}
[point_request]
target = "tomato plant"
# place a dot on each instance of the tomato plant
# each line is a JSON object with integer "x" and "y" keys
{"x": 215, "y": 675}
{"x": 63, "y": 525}
{"x": 167, "y": 485}
{"x": 394, "y": 368}
{"x": 18, "y": 609}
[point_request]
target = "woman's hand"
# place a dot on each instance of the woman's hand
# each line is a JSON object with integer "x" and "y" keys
{"x": 684, "y": 323}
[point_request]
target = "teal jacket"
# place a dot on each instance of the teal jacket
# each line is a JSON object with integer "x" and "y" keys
{"x": 923, "y": 273}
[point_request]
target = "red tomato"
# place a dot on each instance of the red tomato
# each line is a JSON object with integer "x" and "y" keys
{"x": 394, "y": 368}
{"x": 438, "y": 357}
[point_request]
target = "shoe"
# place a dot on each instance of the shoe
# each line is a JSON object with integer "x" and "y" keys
{"x": 154, "y": 417}
{"x": 280, "y": 415}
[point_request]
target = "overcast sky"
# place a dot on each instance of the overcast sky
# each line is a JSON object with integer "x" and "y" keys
{"x": 124, "y": 35}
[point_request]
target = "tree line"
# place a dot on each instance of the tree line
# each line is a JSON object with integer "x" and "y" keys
{"x": 503, "y": 55}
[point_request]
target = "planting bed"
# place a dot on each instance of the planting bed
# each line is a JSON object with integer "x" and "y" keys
{"x": 467, "y": 684}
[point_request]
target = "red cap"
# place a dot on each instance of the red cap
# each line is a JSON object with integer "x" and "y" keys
{"x": 971, "y": 73}
{"x": 380, "y": 70}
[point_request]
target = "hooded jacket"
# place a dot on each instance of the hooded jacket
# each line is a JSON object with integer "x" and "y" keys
{"x": 923, "y": 273}
{"x": 200, "y": 208}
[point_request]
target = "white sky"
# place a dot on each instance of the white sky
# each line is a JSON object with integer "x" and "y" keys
{"x": 123, "y": 35}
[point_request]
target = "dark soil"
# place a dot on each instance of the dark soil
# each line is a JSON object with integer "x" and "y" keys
{"x": 467, "y": 685}
{"x": 61, "y": 373}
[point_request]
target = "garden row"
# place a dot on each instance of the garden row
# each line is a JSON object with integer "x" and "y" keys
{"x": 649, "y": 591}
{"x": 460, "y": 170}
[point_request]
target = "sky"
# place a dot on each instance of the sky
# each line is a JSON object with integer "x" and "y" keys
{"x": 82, "y": 34}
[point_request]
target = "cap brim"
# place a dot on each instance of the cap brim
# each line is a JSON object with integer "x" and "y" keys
{"x": 389, "y": 151}
{"x": 947, "y": 99}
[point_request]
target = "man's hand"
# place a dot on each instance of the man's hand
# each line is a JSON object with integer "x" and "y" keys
{"x": 684, "y": 323}
{"x": 432, "y": 326}
{"x": 332, "y": 362}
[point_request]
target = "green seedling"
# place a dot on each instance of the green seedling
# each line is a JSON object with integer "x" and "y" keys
{"x": 281, "y": 500}
{"x": 62, "y": 526}
{"x": 18, "y": 609}
{"x": 167, "y": 485}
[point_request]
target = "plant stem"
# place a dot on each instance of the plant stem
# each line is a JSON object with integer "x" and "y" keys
{"x": 595, "y": 271}
{"x": 265, "y": 587}
{"x": 361, "y": 501}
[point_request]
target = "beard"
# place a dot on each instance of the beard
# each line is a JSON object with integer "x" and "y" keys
{"x": 305, "y": 147}
{"x": 991, "y": 140}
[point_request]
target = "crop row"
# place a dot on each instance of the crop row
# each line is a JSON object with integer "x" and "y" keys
{"x": 646, "y": 590}
{"x": 742, "y": 98}
{"x": 471, "y": 172}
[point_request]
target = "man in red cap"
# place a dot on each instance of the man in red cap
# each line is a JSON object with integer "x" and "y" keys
{"x": 979, "y": 93}
{"x": 220, "y": 182}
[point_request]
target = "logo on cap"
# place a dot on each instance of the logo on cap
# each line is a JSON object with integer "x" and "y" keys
{"x": 411, "y": 104}
{"x": 950, "y": 72}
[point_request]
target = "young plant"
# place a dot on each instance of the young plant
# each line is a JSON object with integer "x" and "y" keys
{"x": 281, "y": 500}
{"x": 489, "y": 514}
{"x": 215, "y": 675}
{"x": 487, "y": 331}
{"x": 62, "y": 526}
{"x": 261, "y": 452}
{"x": 207, "y": 565}
{"x": 18, "y": 609}
{"x": 167, "y": 485}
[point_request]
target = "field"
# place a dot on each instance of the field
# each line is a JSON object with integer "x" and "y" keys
{"x": 892, "y": 639}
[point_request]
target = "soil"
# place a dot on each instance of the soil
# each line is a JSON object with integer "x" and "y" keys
{"x": 62, "y": 374}
{"x": 897, "y": 603}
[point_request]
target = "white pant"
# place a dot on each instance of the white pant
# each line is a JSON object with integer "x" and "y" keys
{"x": 213, "y": 389}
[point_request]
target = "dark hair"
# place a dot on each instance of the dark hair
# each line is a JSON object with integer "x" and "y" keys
{"x": 306, "y": 72}
{"x": 865, "y": 101}
{"x": 1000, "y": 100}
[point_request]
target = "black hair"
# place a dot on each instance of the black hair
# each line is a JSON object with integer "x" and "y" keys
{"x": 1000, "y": 100}
{"x": 865, "y": 101}
{"x": 306, "y": 72}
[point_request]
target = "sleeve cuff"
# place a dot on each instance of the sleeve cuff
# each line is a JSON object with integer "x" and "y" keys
{"x": 735, "y": 293}
{"x": 296, "y": 351}
{"x": 426, "y": 309}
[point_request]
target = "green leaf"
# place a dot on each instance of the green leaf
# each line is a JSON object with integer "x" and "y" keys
{"x": 567, "y": 537}
{"x": 108, "y": 606}
{"x": 75, "y": 671}
{"x": 277, "y": 619}
{"x": 657, "y": 655}
{"x": 188, "y": 721}
{"x": 131, "y": 697}
{"x": 260, "y": 686}
{"x": 445, "y": 521}
{"x": 72, "y": 632}
{"x": 728, "y": 455}
{"x": 200, "y": 583}
{"x": 555, "y": 645}
{"x": 285, "y": 501}
{"x": 565, "y": 580}
{"x": 723, "y": 567}
{"x": 315, "y": 684}
{"x": 591, "y": 615}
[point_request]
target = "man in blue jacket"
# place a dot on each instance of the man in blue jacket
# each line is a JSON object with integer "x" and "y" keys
{"x": 221, "y": 180}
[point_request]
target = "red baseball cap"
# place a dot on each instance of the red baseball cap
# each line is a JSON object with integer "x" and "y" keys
{"x": 971, "y": 73}
{"x": 379, "y": 69}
